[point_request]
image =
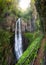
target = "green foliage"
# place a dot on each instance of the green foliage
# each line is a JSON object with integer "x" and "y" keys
{"x": 4, "y": 46}
{"x": 37, "y": 24}
{"x": 4, "y": 6}
{"x": 41, "y": 9}
{"x": 4, "y": 36}
{"x": 27, "y": 14}
{"x": 7, "y": 7}
{"x": 29, "y": 36}
{"x": 30, "y": 53}
{"x": 32, "y": 36}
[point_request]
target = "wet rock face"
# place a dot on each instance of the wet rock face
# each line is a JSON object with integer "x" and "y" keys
{"x": 25, "y": 42}
{"x": 12, "y": 40}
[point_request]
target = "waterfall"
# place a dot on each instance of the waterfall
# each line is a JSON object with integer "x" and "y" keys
{"x": 18, "y": 39}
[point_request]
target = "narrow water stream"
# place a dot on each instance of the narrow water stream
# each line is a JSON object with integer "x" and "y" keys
{"x": 18, "y": 39}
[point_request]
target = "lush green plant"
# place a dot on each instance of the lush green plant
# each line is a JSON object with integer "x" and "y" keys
{"x": 31, "y": 52}
{"x": 29, "y": 36}
{"x": 4, "y": 46}
{"x": 32, "y": 36}
{"x": 4, "y": 36}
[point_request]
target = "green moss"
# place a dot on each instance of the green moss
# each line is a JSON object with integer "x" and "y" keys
{"x": 32, "y": 36}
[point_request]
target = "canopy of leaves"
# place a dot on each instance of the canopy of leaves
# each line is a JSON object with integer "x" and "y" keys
{"x": 8, "y": 7}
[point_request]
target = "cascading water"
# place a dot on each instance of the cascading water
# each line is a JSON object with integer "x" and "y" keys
{"x": 18, "y": 39}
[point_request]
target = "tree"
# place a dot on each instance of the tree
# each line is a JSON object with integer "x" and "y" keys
{"x": 41, "y": 9}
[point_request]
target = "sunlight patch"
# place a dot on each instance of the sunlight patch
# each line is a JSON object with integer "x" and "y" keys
{"x": 24, "y": 4}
